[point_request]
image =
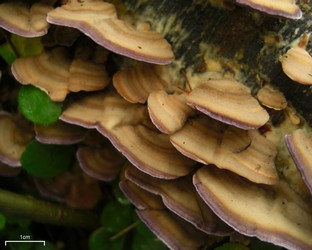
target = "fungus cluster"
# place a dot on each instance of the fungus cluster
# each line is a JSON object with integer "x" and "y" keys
{"x": 198, "y": 168}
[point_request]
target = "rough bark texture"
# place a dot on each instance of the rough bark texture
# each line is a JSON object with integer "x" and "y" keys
{"x": 187, "y": 23}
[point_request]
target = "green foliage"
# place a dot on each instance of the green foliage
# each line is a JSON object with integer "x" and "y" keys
{"x": 101, "y": 239}
{"x": 15, "y": 234}
{"x": 116, "y": 216}
{"x": 7, "y": 53}
{"x": 37, "y": 107}
{"x": 26, "y": 46}
{"x": 120, "y": 197}
{"x": 45, "y": 161}
{"x": 20, "y": 46}
{"x": 144, "y": 239}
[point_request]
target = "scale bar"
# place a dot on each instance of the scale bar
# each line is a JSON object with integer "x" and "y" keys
{"x": 20, "y": 241}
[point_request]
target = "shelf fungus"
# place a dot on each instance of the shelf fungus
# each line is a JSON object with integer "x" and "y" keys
{"x": 13, "y": 140}
{"x": 282, "y": 8}
{"x": 180, "y": 197}
{"x": 175, "y": 232}
{"x": 300, "y": 148}
{"x": 99, "y": 21}
{"x": 271, "y": 97}
{"x": 100, "y": 162}
{"x": 228, "y": 101}
{"x": 130, "y": 130}
{"x": 25, "y": 21}
{"x": 245, "y": 153}
{"x": 74, "y": 188}
{"x": 57, "y": 75}
{"x": 136, "y": 83}
{"x": 297, "y": 65}
{"x": 168, "y": 112}
{"x": 275, "y": 214}
{"x": 59, "y": 133}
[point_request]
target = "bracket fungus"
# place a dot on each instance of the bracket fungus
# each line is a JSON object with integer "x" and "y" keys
{"x": 276, "y": 214}
{"x": 19, "y": 19}
{"x": 74, "y": 188}
{"x": 168, "y": 112}
{"x": 59, "y": 133}
{"x": 297, "y": 65}
{"x": 180, "y": 197}
{"x": 101, "y": 162}
{"x": 246, "y": 153}
{"x": 175, "y": 232}
{"x": 300, "y": 148}
{"x": 136, "y": 83}
{"x": 129, "y": 129}
{"x": 55, "y": 74}
{"x": 283, "y": 8}
{"x": 228, "y": 101}
{"x": 271, "y": 97}
{"x": 13, "y": 140}
{"x": 99, "y": 21}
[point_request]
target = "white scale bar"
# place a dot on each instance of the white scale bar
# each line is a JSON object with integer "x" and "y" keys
{"x": 21, "y": 241}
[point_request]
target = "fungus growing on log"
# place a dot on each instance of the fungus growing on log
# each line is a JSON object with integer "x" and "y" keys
{"x": 168, "y": 112}
{"x": 19, "y": 19}
{"x": 283, "y": 8}
{"x": 175, "y": 232}
{"x": 245, "y": 153}
{"x": 99, "y": 21}
{"x": 300, "y": 148}
{"x": 275, "y": 214}
{"x": 101, "y": 162}
{"x": 180, "y": 197}
{"x": 55, "y": 74}
{"x": 271, "y": 97}
{"x": 228, "y": 101}
{"x": 136, "y": 83}
{"x": 129, "y": 129}
{"x": 297, "y": 65}
{"x": 59, "y": 133}
{"x": 13, "y": 140}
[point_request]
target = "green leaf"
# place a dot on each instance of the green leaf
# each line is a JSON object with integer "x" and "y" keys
{"x": 26, "y": 46}
{"x": 44, "y": 161}
{"x": 37, "y": 107}
{"x": 116, "y": 216}
{"x": 121, "y": 198}
{"x": 2, "y": 221}
{"x": 100, "y": 239}
{"x": 7, "y": 53}
{"x": 232, "y": 246}
{"x": 144, "y": 238}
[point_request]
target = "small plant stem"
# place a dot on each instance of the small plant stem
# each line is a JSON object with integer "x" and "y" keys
{"x": 125, "y": 230}
{"x": 45, "y": 212}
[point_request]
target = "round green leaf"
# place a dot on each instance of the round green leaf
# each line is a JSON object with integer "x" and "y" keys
{"x": 37, "y": 106}
{"x": 44, "y": 161}
{"x": 100, "y": 239}
{"x": 116, "y": 216}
